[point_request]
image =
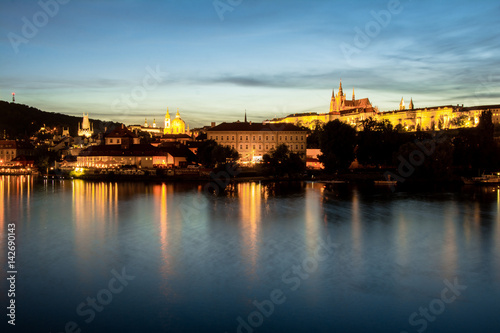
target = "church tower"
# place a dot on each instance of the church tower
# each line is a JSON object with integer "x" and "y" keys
{"x": 402, "y": 104}
{"x": 167, "y": 129}
{"x": 411, "y": 106}
{"x": 332, "y": 101}
{"x": 338, "y": 101}
{"x": 86, "y": 129}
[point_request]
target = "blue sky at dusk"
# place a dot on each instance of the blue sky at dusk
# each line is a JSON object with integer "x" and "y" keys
{"x": 127, "y": 60}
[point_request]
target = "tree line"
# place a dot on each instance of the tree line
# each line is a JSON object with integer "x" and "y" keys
{"x": 436, "y": 155}
{"x": 380, "y": 145}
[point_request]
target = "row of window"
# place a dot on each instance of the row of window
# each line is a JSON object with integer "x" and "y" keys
{"x": 111, "y": 140}
{"x": 254, "y": 137}
{"x": 7, "y": 152}
{"x": 268, "y": 147}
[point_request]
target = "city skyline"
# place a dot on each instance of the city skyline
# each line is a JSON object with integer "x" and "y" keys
{"x": 215, "y": 59}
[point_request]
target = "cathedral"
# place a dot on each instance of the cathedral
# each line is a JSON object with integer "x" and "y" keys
{"x": 176, "y": 125}
{"x": 355, "y": 111}
{"x": 340, "y": 102}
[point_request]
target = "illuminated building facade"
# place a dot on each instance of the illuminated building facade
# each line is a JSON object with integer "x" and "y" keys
{"x": 252, "y": 141}
{"x": 10, "y": 149}
{"x": 176, "y": 125}
{"x": 85, "y": 129}
{"x": 354, "y": 111}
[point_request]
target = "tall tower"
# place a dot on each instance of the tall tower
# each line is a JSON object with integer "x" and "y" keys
{"x": 402, "y": 104}
{"x": 411, "y": 106}
{"x": 13, "y": 97}
{"x": 86, "y": 129}
{"x": 332, "y": 101}
{"x": 167, "y": 129}
{"x": 353, "y": 99}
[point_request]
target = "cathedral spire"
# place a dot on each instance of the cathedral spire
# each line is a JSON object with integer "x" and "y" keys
{"x": 353, "y": 94}
{"x": 402, "y": 104}
{"x": 245, "y": 116}
{"x": 341, "y": 92}
{"x": 411, "y": 106}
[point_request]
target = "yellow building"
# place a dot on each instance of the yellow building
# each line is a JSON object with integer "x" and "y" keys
{"x": 176, "y": 125}
{"x": 351, "y": 111}
{"x": 354, "y": 111}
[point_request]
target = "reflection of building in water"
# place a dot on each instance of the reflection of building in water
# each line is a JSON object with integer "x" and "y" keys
{"x": 250, "y": 195}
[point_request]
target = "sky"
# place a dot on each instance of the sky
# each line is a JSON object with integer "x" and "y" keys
{"x": 127, "y": 60}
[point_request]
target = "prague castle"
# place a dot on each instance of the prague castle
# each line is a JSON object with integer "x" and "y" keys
{"x": 354, "y": 111}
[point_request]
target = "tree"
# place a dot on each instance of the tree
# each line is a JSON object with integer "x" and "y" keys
{"x": 282, "y": 162}
{"x": 202, "y": 136}
{"x": 211, "y": 154}
{"x": 313, "y": 136}
{"x": 337, "y": 142}
{"x": 435, "y": 164}
{"x": 378, "y": 141}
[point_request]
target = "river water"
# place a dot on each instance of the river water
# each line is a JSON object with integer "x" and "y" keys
{"x": 135, "y": 257}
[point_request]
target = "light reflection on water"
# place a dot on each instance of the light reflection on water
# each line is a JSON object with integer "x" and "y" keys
{"x": 200, "y": 261}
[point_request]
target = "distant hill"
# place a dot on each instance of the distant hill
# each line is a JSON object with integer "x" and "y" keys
{"x": 19, "y": 120}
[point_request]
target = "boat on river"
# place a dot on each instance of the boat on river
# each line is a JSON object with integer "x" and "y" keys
{"x": 491, "y": 179}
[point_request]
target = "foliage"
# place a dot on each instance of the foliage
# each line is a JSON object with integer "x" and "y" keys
{"x": 19, "y": 121}
{"x": 283, "y": 162}
{"x": 459, "y": 121}
{"x": 337, "y": 142}
{"x": 44, "y": 157}
{"x": 202, "y": 136}
{"x": 314, "y": 135}
{"x": 435, "y": 161}
{"x": 475, "y": 148}
{"x": 211, "y": 154}
{"x": 378, "y": 141}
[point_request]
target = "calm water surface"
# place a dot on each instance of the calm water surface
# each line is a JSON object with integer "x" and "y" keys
{"x": 133, "y": 257}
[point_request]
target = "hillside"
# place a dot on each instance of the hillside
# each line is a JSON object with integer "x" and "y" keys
{"x": 19, "y": 120}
